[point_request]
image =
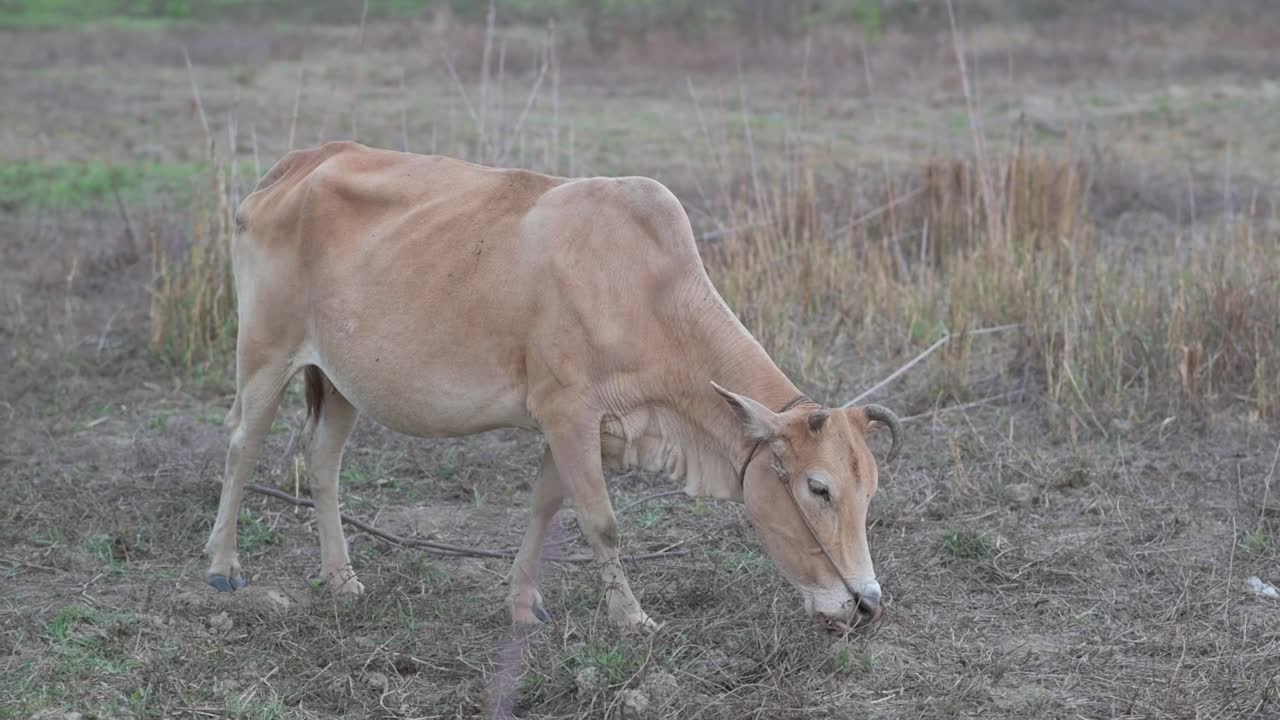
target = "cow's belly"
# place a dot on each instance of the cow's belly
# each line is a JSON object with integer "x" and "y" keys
{"x": 428, "y": 392}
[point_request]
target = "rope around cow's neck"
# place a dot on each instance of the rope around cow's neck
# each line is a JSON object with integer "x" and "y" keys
{"x": 785, "y": 478}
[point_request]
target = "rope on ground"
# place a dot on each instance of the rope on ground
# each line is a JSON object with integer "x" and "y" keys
{"x": 440, "y": 548}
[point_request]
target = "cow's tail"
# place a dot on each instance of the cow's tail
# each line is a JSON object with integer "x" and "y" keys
{"x": 315, "y": 385}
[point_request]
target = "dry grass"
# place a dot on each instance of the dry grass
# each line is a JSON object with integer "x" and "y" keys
{"x": 192, "y": 291}
{"x": 1106, "y": 326}
{"x": 1067, "y": 555}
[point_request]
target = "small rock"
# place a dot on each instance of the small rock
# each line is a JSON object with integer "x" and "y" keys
{"x": 661, "y": 687}
{"x": 588, "y": 681}
{"x": 717, "y": 664}
{"x": 364, "y": 642}
{"x": 189, "y": 599}
{"x": 277, "y": 599}
{"x": 709, "y": 664}
{"x": 220, "y": 622}
{"x": 1265, "y": 589}
{"x": 1021, "y": 493}
{"x": 72, "y": 716}
{"x": 1121, "y": 427}
{"x": 635, "y": 703}
{"x": 376, "y": 680}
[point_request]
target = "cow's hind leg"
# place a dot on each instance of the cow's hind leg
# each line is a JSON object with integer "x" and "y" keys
{"x": 259, "y": 387}
{"x": 524, "y": 599}
{"x": 333, "y": 418}
{"x": 576, "y": 449}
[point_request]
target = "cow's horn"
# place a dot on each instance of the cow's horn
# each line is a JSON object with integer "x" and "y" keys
{"x": 883, "y": 414}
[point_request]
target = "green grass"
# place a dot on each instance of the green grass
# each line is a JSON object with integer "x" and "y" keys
{"x": 248, "y": 708}
{"x": 357, "y": 476}
{"x": 161, "y": 14}
{"x": 38, "y": 18}
{"x": 27, "y": 693}
{"x": 89, "y": 642}
{"x": 60, "y": 626}
{"x": 616, "y": 662}
{"x": 1257, "y": 542}
{"x": 606, "y": 21}
{"x": 450, "y": 465}
{"x": 845, "y": 661}
{"x": 649, "y": 516}
{"x": 747, "y": 560}
{"x": 968, "y": 545}
{"x": 254, "y": 534}
{"x": 420, "y": 567}
{"x": 107, "y": 549}
{"x": 47, "y": 537}
{"x": 85, "y": 185}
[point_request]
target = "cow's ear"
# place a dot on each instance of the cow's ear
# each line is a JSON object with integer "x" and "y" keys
{"x": 758, "y": 421}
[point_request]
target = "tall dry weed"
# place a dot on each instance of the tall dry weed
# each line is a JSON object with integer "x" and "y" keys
{"x": 193, "y": 308}
{"x": 1106, "y": 328}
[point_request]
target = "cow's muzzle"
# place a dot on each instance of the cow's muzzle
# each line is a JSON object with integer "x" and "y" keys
{"x": 863, "y": 610}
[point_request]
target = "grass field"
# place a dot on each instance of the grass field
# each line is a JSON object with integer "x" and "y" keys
{"x": 1070, "y": 532}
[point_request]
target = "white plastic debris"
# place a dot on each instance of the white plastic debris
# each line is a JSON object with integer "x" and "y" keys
{"x": 1264, "y": 589}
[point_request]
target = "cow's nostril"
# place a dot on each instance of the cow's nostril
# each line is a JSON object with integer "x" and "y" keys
{"x": 869, "y": 610}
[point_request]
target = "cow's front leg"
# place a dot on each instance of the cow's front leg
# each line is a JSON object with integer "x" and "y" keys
{"x": 576, "y": 451}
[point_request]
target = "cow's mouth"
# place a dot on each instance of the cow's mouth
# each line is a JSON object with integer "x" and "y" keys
{"x": 862, "y": 619}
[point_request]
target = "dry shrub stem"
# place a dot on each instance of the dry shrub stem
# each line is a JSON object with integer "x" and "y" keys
{"x": 193, "y": 309}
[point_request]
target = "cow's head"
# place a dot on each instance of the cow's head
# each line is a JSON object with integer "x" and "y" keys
{"x": 813, "y": 475}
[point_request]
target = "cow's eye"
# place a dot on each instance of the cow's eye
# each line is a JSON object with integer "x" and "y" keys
{"x": 820, "y": 488}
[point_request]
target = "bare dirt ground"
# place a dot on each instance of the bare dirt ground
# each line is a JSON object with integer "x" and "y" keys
{"x": 1033, "y": 566}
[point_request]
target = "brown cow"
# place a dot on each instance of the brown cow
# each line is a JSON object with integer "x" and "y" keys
{"x": 443, "y": 298}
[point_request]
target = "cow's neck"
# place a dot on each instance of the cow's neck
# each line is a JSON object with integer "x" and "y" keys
{"x": 742, "y": 366}
{"x": 692, "y": 435}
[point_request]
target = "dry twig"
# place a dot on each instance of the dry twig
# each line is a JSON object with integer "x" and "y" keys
{"x": 946, "y": 337}
{"x": 445, "y": 549}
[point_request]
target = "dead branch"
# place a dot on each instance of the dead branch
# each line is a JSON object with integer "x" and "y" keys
{"x": 946, "y": 337}
{"x": 440, "y": 548}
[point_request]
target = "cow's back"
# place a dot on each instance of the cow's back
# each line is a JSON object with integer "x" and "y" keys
{"x": 314, "y": 195}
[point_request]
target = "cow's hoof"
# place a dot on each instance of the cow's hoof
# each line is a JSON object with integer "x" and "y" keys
{"x": 526, "y": 607}
{"x": 533, "y": 614}
{"x": 349, "y": 587}
{"x": 223, "y": 583}
{"x": 638, "y": 623}
{"x": 339, "y": 584}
